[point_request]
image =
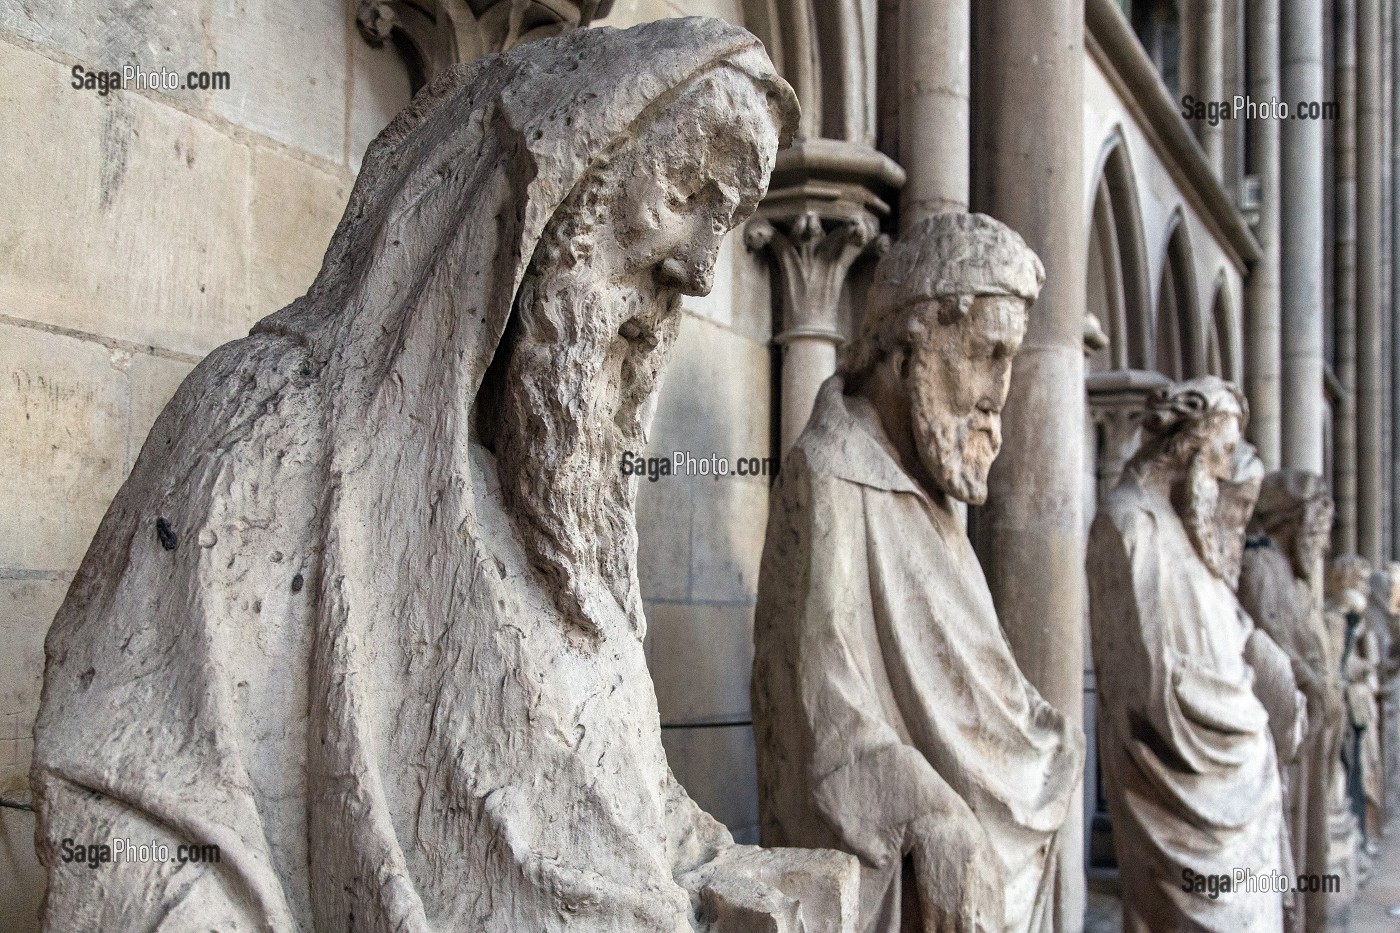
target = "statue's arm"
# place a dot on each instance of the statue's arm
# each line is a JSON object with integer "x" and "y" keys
{"x": 1278, "y": 691}
{"x": 1203, "y": 717}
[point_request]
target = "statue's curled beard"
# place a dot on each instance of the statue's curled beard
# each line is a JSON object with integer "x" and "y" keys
{"x": 574, "y": 399}
{"x": 1201, "y": 515}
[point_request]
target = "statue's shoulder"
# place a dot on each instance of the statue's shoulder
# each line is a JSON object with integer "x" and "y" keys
{"x": 1129, "y": 510}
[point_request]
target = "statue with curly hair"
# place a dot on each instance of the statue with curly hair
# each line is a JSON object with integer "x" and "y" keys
{"x": 1188, "y": 756}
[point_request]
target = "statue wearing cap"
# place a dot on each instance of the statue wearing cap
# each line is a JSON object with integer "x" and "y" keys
{"x": 891, "y": 719}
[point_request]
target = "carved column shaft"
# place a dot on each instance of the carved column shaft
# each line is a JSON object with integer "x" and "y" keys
{"x": 1030, "y": 535}
{"x": 813, "y": 256}
{"x": 821, "y": 215}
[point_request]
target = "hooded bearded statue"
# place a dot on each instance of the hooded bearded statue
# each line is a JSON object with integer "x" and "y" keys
{"x": 1188, "y": 759}
{"x": 365, "y": 615}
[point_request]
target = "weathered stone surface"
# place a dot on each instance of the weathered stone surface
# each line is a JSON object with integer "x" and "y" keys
{"x": 292, "y": 213}
{"x": 69, "y": 408}
{"x": 135, "y": 269}
{"x": 891, "y": 719}
{"x": 367, "y": 605}
{"x": 1348, "y": 580}
{"x": 101, "y": 35}
{"x": 278, "y": 56}
{"x": 1281, "y": 590}
{"x": 1186, "y": 752}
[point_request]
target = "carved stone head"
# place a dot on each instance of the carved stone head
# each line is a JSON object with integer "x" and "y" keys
{"x": 596, "y": 316}
{"x": 945, "y": 317}
{"x": 1238, "y": 494}
{"x": 1348, "y": 583}
{"x": 1192, "y": 432}
{"x": 1295, "y": 510}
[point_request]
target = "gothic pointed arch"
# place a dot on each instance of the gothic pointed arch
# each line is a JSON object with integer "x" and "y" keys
{"x": 1118, "y": 286}
{"x": 1180, "y": 346}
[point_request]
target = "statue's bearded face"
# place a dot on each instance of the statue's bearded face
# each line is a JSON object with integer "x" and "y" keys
{"x": 594, "y": 320}
{"x": 1211, "y": 464}
{"x": 957, "y": 376}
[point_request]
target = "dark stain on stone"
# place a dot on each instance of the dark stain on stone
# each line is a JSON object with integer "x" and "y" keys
{"x": 168, "y": 539}
{"x": 297, "y": 582}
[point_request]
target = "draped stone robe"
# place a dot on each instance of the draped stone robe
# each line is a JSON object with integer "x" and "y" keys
{"x": 1188, "y": 759}
{"x": 1282, "y": 605}
{"x": 307, "y": 631}
{"x": 883, "y": 685}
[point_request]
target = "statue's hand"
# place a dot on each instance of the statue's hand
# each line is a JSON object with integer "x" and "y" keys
{"x": 960, "y": 879}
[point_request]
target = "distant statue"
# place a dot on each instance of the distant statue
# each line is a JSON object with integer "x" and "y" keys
{"x": 1348, "y": 580}
{"x": 891, "y": 719}
{"x": 366, "y": 614}
{"x": 1281, "y": 589}
{"x": 1385, "y": 619}
{"x": 1187, "y": 755}
{"x": 1378, "y": 646}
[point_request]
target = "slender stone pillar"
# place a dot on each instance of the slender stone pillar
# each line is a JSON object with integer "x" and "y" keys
{"x": 1387, "y": 302}
{"x": 1203, "y": 70}
{"x": 935, "y": 146}
{"x": 1394, "y": 155}
{"x": 1029, "y": 174}
{"x": 1344, "y": 277}
{"x": 1369, "y": 373}
{"x": 1302, "y": 236}
{"x": 1262, "y": 290}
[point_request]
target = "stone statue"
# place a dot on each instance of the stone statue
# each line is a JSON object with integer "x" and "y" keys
{"x": 891, "y": 719}
{"x": 1275, "y": 684}
{"x": 1385, "y": 614}
{"x": 1281, "y": 590}
{"x": 1348, "y": 579}
{"x": 365, "y": 616}
{"x": 1188, "y": 759}
{"x": 1380, "y": 622}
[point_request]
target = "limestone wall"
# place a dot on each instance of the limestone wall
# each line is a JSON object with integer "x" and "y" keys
{"x": 140, "y": 229}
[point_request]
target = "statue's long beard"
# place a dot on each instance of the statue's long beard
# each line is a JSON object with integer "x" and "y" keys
{"x": 1200, "y": 516}
{"x": 574, "y": 399}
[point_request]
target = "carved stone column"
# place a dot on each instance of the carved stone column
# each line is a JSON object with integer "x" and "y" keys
{"x": 1117, "y": 399}
{"x": 433, "y": 35}
{"x": 822, "y": 213}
